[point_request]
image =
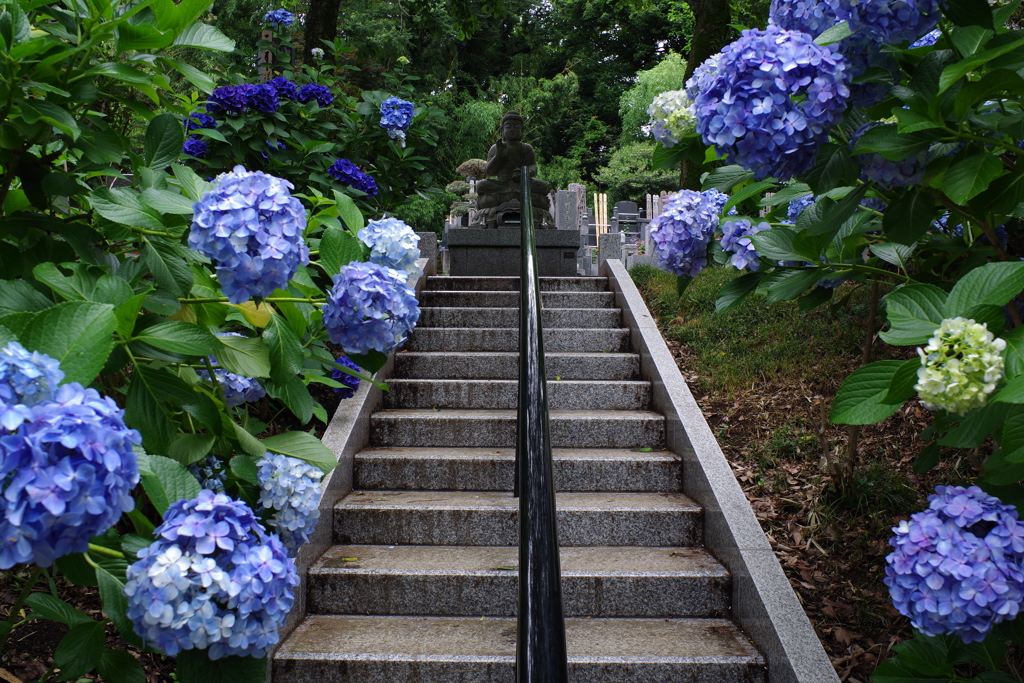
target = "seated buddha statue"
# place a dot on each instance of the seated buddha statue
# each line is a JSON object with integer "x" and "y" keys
{"x": 498, "y": 193}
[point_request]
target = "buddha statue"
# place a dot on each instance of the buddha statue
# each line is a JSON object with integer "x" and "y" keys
{"x": 497, "y": 200}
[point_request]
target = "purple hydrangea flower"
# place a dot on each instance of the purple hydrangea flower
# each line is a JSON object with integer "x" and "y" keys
{"x": 772, "y": 99}
{"x": 279, "y": 17}
{"x": 253, "y": 228}
{"x": 198, "y": 121}
{"x": 810, "y": 16}
{"x": 392, "y": 245}
{"x": 370, "y": 308}
{"x": 315, "y": 91}
{"x": 396, "y": 117}
{"x": 888, "y": 21}
{"x": 291, "y": 488}
{"x": 196, "y": 147}
{"x": 874, "y": 166}
{"x": 27, "y": 378}
{"x": 736, "y": 240}
{"x": 214, "y": 579}
{"x": 703, "y": 77}
{"x": 797, "y": 206}
{"x": 351, "y": 382}
{"x": 957, "y": 566}
{"x": 261, "y": 97}
{"x": 284, "y": 88}
{"x": 682, "y": 231}
{"x": 927, "y": 39}
{"x": 210, "y": 473}
{"x": 228, "y": 99}
{"x": 349, "y": 174}
{"x": 67, "y": 470}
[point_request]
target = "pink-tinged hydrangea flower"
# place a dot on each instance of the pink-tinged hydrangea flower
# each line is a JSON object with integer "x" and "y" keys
{"x": 393, "y": 244}
{"x": 736, "y": 241}
{"x": 253, "y": 228}
{"x": 291, "y": 489}
{"x": 682, "y": 231}
{"x": 772, "y": 99}
{"x": 957, "y": 566}
{"x": 214, "y": 579}
{"x": 67, "y": 469}
{"x": 370, "y": 308}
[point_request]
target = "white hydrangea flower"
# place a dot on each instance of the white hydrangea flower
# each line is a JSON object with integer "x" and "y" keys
{"x": 672, "y": 117}
{"x": 960, "y": 366}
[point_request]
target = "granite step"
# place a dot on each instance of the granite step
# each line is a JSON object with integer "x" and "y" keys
{"x": 603, "y": 581}
{"x": 511, "y": 284}
{"x": 594, "y": 340}
{"x": 505, "y": 365}
{"x": 492, "y": 518}
{"x": 491, "y": 469}
{"x": 434, "y": 649}
{"x": 503, "y": 394}
{"x": 509, "y": 317}
{"x": 497, "y": 428}
{"x": 493, "y": 299}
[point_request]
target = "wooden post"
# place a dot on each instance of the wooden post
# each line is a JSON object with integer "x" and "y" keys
{"x": 267, "y": 57}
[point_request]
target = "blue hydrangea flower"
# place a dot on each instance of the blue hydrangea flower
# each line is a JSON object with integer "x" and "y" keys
{"x": 888, "y": 21}
{"x": 198, "y": 121}
{"x": 196, "y": 147}
{"x": 27, "y": 377}
{"x": 317, "y": 52}
{"x": 810, "y": 16}
{"x": 797, "y": 206}
{"x": 228, "y": 99}
{"x": 261, "y": 97}
{"x": 237, "y": 389}
{"x": 66, "y": 471}
{"x": 874, "y": 166}
{"x": 279, "y": 17}
{"x": 348, "y": 173}
{"x": 315, "y": 91}
{"x": 213, "y": 579}
{"x": 284, "y": 88}
{"x": 772, "y": 99}
{"x": 736, "y": 240}
{"x": 957, "y": 566}
{"x": 351, "y": 383}
{"x": 927, "y": 39}
{"x": 291, "y": 488}
{"x": 370, "y": 308}
{"x": 210, "y": 473}
{"x": 682, "y": 231}
{"x": 703, "y": 77}
{"x": 392, "y": 245}
{"x": 253, "y": 228}
{"x": 396, "y": 117}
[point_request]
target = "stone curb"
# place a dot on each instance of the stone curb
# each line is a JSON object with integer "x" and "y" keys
{"x": 764, "y": 603}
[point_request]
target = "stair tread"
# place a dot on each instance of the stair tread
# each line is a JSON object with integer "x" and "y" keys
{"x": 496, "y": 560}
{"x": 448, "y": 453}
{"x": 503, "y": 501}
{"x": 434, "y": 638}
{"x": 505, "y": 354}
{"x": 479, "y": 414}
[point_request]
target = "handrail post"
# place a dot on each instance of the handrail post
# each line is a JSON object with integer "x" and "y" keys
{"x": 540, "y": 645}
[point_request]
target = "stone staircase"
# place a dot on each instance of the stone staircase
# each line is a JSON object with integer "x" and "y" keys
{"x": 421, "y": 584}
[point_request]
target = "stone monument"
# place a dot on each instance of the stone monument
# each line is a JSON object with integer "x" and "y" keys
{"x": 497, "y": 202}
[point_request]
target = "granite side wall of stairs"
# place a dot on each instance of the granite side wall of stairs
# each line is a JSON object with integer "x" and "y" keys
{"x": 763, "y": 601}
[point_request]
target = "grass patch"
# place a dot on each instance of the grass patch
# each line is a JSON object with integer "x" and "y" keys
{"x": 757, "y": 341}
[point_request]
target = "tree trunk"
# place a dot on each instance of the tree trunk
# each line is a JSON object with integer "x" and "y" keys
{"x": 321, "y": 23}
{"x": 710, "y": 33}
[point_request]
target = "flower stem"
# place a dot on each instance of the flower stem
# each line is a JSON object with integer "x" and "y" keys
{"x": 109, "y": 552}
{"x": 33, "y": 579}
{"x": 224, "y": 300}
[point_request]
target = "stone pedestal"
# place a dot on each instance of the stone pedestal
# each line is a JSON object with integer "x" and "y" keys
{"x": 496, "y": 252}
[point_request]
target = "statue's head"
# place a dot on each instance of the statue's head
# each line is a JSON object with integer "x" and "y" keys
{"x": 512, "y": 126}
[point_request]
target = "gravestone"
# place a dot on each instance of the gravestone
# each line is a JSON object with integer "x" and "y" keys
{"x": 566, "y": 212}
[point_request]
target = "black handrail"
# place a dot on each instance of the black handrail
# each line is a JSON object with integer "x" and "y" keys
{"x": 540, "y": 646}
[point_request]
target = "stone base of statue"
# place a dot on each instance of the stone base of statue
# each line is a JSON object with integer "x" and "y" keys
{"x": 483, "y": 251}
{"x": 509, "y": 215}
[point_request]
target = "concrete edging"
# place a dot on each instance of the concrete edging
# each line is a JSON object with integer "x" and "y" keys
{"x": 347, "y": 433}
{"x": 764, "y": 603}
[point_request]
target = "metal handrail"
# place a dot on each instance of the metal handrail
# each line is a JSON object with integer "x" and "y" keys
{"x": 540, "y": 645}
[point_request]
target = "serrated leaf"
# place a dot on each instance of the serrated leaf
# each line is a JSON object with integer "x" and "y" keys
{"x": 890, "y": 252}
{"x": 294, "y": 394}
{"x": 244, "y": 467}
{"x": 976, "y": 426}
{"x": 302, "y": 446}
{"x": 783, "y": 285}
{"x": 927, "y": 458}
{"x": 190, "y": 448}
{"x": 725, "y": 178}
{"x": 46, "y": 606}
{"x": 374, "y": 360}
{"x": 901, "y": 388}
{"x": 1014, "y": 353}
{"x": 204, "y": 36}
{"x": 338, "y": 248}
{"x": 163, "y": 141}
{"x": 77, "y": 334}
{"x": 115, "y": 606}
{"x": 968, "y": 13}
{"x": 746, "y": 192}
{"x": 195, "y": 666}
{"x": 191, "y": 184}
{"x": 890, "y": 143}
{"x": 149, "y": 408}
{"x": 286, "y": 359}
{"x": 733, "y": 294}
{"x": 249, "y": 443}
{"x": 166, "y": 481}
{"x": 954, "y": 72}
{"x": 18, "y": 296}
{"x": 840, "y": 31}
{"x": 859, "y": 399}
{"x": 908, "y": 218}
{"x": 914, "y": 313}
{"x": 971, "y": 176}
{"x": 170, "y": 271}
{"x": 1003, "y": 195}
{"x": 348, "y": 212}
{"x": 833, "y": 167}
{"x": 992, "y": 283}
{"x": 776, "y": 243}
{"x": 79, "y": 651}
{"x": 118, "y": 666}
{"x": 1012, "y": 392}
{"x": 56, "y": 116}
{"x": 179, "y": 337}
{"x": 167, "y": 202}
{"x": 246, "y": 356}
{"x": 666, "y": 158}
{"x": 124, "y": 206}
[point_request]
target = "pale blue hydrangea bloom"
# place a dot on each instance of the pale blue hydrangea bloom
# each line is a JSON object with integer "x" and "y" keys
{"x": 317, "y": 52}
{"x": 771, "y": 101}
{"x": 214, "y": 579}
{"x": 291, "y": 489}
{"x": 27, "y": 377}
{"x": 67, "y": 470}
{"x": 957, "y": 566}
{"x": 960, "y": 366}
{"x": 736, "y": 240}
{"x": 682, "y": 231}
{"x": 370, "y": 308}
{"x": 672, "y": 118}
{"x": 393, "y": 244}
{"x": 253, "y": 228}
